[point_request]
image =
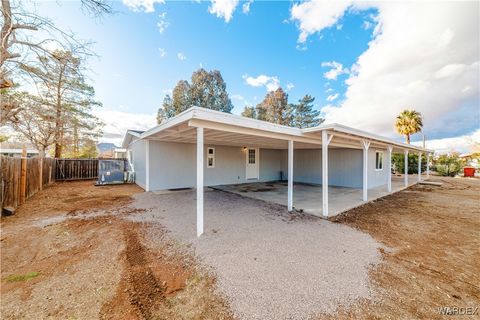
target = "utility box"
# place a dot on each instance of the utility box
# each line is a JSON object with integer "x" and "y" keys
{"x": 469, "y": 172}
{"x": 113, "y": 171}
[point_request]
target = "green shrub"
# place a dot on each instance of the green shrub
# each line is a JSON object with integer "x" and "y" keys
{"x": 398, "y": 163}
{"x": 448, "y": 165}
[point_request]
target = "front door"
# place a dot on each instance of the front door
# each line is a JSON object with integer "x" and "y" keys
{"x": 252, "y": 171}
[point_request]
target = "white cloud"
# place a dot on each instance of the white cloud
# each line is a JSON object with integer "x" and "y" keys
{"x": 162, "y": 23}
{"x": 313, "y": 16}
{"x": 336, "y": 70}
{"x": 162, "y": 52}
{"x": 181, "y": 56}
{"x": 332, "y": 97}
{"x": 271, "y": 83}
{"x": 424, "y": 56}
{"x": 462, "y": 144}
{"x": 223, "y": 8}
{"x": 290, "y": 86}
{"x": 142, "y": 5}
{"x": 246, "y": 6}
{"x": 117, "y": 123}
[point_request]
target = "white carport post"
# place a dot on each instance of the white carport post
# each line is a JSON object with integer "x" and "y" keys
{"x": 199, "y": 181}
{"x": 419, "y": 166}
{"x": 428, "y": 165}
{"x": 326, "y": 138}
{"x": 389, "y": 169}
{"x": 406, "y": 168}
{"x": 366, "y": 145}
{"x": 290, "y": 175}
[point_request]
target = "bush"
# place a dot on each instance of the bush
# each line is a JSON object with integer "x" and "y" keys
{"x": 448, "y": 165}
{"x": 398, "y": 163}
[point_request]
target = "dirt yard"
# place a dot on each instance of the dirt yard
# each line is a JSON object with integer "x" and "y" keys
{"x": 68, "y": 253}
{"x": 433, "y": 236}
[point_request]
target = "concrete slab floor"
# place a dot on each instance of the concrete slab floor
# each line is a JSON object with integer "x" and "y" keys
{"x": 308, "y": 197}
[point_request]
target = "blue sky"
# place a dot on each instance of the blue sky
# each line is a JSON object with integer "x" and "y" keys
{"x": 330, "y": 51}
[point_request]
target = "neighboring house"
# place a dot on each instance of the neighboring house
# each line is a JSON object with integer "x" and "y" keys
{"x": 17, "y": 152}
{"x": 202, "y": 147}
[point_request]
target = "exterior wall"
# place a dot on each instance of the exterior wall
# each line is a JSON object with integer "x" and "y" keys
{"x": 345, "y": 167}
{"x": 173, "y": 165}
{"x": 138, "y": 152}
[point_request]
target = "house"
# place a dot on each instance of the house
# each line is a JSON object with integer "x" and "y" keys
{"x": 201, "y": 147}
{"x": 13, "y": 152}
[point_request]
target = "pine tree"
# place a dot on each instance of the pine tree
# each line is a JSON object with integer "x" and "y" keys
{"x": 274, "y": 107}
{"x": 304, "y": 114}
{"x": 249, "y": 112}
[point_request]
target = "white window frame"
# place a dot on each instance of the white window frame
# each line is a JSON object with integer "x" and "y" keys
{"x": 210, "y": 156}
{"x": 382, "y": 162}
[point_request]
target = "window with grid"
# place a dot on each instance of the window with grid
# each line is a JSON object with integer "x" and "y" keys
{"x": 211, "y": 158}
{"x": 251, "y": 156}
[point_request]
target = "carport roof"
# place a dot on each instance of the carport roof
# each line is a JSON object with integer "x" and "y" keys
{"x": 229, "y": 129}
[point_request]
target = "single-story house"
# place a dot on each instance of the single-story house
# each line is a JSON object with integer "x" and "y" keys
{"x": 201, "y": 147}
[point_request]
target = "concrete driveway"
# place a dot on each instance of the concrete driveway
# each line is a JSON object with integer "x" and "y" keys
{"x": 269, "y": 264}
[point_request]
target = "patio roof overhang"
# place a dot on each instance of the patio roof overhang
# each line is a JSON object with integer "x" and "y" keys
{"x": 228, "y": 129}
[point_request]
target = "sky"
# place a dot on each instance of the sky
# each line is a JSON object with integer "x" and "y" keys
{"x": 364, "y": 62}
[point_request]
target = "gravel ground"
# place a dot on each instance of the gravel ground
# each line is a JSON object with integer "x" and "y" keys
{"x": 269, "y": 265}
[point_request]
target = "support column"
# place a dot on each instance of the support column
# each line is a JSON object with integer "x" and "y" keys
{"x": 366, "y": 145}
{"x": 326, "y": 138}
{"x": 428, "y": 165}
{"x": 147, "y": 165}
{"x": 406, "y": 168}
{"x": 290, "y": 175}
{"x": 389, "y": 168}
{"x": 419, "y": 167}
{"x": 199, "y": 182}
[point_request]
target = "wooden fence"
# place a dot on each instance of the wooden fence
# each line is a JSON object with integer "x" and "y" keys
{"x": 76, "y": 169}
{"x": 37, "y": 173}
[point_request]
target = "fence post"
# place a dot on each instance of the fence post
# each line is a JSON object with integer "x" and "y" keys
{"x": 23, "y": 175}
{"x": 41, "y": 172}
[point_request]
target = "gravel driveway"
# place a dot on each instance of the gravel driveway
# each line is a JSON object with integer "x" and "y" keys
{"x": 269, "y": 265}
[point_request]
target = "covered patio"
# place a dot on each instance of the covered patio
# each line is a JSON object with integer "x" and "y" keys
{"x": 327, "y": 169}
{"x": 307, "y": 197}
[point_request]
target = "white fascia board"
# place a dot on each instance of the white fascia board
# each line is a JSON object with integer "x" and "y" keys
{"x": 179, "y": 118}
{"x": 128, "y": 138}
{"x": 236, "y": 120}
{"x": 364, "y": 134}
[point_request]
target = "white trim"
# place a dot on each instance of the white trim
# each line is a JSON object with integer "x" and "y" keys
{"x": 199, "y": 182}
{"x": 325, "y": 140}
{"x": 419, "y": 169}
{"x": 263, "y": 128}
{"x": 147, "y": 165}
{"x": 290, "y": 175}
{"x": 366, "y": 145}
{"x": 389, "y": 169}
{"x": 405, "y": 168}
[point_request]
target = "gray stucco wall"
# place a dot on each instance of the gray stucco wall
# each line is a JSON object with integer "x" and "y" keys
{"x": 173, "y": 165}
{"x": 138, "y": 160}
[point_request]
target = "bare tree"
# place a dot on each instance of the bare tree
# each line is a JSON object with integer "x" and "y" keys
{"x": 35, "y": 122}
{"x": 63, "y": 87}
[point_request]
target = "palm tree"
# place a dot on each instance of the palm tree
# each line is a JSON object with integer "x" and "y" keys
{"x": 409, "y": 122}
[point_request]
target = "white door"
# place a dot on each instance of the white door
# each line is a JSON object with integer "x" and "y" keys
{"x": 252, "y": 171}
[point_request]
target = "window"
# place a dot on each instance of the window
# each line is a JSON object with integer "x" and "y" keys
{"x": 251, "y": 156}
{"x": 379, "y": 160}
{"x": 210, "y": 157}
